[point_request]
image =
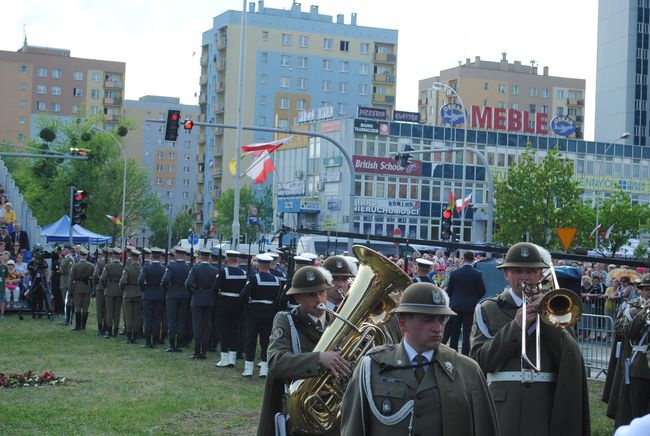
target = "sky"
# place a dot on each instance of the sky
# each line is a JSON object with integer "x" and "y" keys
{"x": 160, "y": 40}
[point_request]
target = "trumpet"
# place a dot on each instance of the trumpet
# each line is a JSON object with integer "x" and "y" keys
{"x": 558, "y": 308}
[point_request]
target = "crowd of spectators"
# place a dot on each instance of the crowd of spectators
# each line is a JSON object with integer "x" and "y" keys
{"x": 14, "y": 256}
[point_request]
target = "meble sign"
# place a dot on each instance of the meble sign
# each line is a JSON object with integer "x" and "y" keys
{"x": 510, "y": 120}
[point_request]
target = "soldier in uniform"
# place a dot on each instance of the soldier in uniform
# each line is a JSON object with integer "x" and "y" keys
{"x": 132, "y": 295}
{"x": 98, "y": 291}
{"x": 176, "y": 298}
{"x": 286, "y": 301}
{"x": 260, "y": 296}
{"x": 65, "y": 267}
{"x": 110, "y": 280}
{"x": 213, "y": 341}
{"x": 199, "y": 282}
{"x": 550, "y": 402}
{"x": 418, "y": 386}
{"x": 340, "y": 269}
{"x": 153, "y": 298}
{"x": 277, "y": 271}
{"x": 293, "y": 337}
{"x": 81, "y": 276}
{"x": 424, "y": 268}
{"x": 227, "y": 287}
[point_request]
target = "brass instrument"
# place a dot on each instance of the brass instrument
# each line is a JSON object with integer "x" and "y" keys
{"x": 314, "y": 404}
{"x": 558, "y": 308}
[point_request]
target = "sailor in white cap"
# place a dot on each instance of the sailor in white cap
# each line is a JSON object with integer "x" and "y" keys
{"x": 424, "y": 268}
{"x": 313, "y": 257}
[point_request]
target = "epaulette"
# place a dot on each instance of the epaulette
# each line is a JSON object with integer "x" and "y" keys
{"x": 380, "y": 348}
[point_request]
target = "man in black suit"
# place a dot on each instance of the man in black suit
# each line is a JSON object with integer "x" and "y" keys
{"x": 199, "y": 283}
{"x": 20, "y": 236}
{"x": 465, "y": 289}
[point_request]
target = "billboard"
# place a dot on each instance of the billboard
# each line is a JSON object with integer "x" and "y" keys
{"x": 385, "y": 165}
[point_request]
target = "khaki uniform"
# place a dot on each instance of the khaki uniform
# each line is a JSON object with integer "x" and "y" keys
{"x": 110, "y": 279}
{"x": 65, "y": 267}
{"x": 452, "y": 398}
{"x": 538, "y": 408}
{"x": 132, "y": 297}
{"x": 80, "y": 278}
{"x": 98, "y": 290}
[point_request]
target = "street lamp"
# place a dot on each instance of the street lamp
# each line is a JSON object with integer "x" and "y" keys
{"x": 598, "y": 174}
{"x": 99, "y": 129}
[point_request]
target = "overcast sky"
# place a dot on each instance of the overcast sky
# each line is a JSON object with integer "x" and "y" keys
{"x": 160, "y": 40}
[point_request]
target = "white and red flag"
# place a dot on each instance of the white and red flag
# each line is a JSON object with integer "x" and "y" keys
{"x": 262, "y": 166}
{"x": 462, "y": 204}
{"x": 593, "y": 232}
{"x": 608, "y": 232}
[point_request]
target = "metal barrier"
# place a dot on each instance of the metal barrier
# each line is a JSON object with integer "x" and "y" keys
{"x": 595, "y": 335}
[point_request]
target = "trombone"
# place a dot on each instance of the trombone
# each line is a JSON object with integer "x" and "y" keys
{"x": 558, "y": 308}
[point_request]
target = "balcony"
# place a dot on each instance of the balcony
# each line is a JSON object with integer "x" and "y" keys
{"x": 203, "y": 99}
{"x": 218, "y": 152}
{"x": 382, "y": 98}
{"x": 385, "y": 58}
{"x": 580, "y": 119}
{"x": 202, "y": 138}
{"x": 221, "y": 64}
{"x": 113, "y": 84}
{"x": 221, "y": 86}
{"x": 111, "y": 118}
{"x": 220, "y": 108}
{"x": 575, "y": 102}
{"x": 204, "y": 59}
{"x": 203, "y": 80}
{"x": 218, "y": 173}
{"x": 112, "y": 101}
{"x": 222, "y": 43}
{"x": 384, "y": 78}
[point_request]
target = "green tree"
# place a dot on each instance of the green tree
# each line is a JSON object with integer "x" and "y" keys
{"x": 537, "y": 197}
{"x": 225, "y": 206}
{"x": 628, "y": 219}
{"x": 183, "y": 222}
{"x": 158, "y": 223}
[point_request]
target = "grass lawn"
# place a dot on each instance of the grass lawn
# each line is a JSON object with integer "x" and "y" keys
{"x": 115, "y": 388}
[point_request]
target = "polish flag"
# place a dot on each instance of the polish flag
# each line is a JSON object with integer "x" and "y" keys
{"x": 450, "y": 206}
{"x": 262, "y": 166}
{"x": 608, "y": 232}
{"x": 462, "y": 204}
{"x": 116, "y": 219}
{"x": 593, "y": 232}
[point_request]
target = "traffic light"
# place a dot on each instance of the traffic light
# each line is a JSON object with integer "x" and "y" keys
{"x": 79, "y": 205}
{"x": 404, "y": 157}
{"x": 171, "y": 127}
{"x": 446, "y": 225}
{"x": 187, "y": 125}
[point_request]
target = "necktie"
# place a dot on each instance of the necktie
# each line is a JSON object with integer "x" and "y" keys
{"x": 319, "y": 326}
{"x": 419, "y": 371}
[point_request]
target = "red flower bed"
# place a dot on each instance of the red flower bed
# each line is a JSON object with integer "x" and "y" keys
{"x": 28, "y": 379}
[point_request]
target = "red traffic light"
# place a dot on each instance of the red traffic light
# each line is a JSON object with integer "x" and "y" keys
{"x": 175, "y": 116}
{"x": 80, "y": 195}
{"x": 188, "y": 124}
{"x": 446, "y": 214}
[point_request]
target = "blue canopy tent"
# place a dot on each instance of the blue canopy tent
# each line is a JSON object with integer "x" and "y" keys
{"x": 59, "y": 231}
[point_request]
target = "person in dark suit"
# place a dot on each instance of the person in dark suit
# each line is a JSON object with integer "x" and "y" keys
{"x": 199, "y": 282}
{"x": 176, "y": 298}
{"x": 20, "y": 236}
{"x": 465, "y": 289}
{"x": 153, "y": 298}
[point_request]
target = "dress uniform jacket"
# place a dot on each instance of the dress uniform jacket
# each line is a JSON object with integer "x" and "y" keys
{"x": 173, "y": 281}
{"x": 66, "y": 266}
{"x": 285, "y": 365}
{"x": 110, "y": 279}
{"x": 452, "y": 398}
{"x": 422, "y": 279}
{"x": 539, "y": 408}
{"x": 80, "y": 277}
{"x": 149, "y": 281}
{"x": 129, "y": 281}
{"x": 199, "y": 282}
{"x": 97, "y": 273}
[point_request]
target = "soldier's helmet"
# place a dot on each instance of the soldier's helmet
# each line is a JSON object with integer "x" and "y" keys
{"x": 310, "y": 279}
{"x": 424, "y": 298}
{"x": 338, "y": 266}
{"x": 524, "y": 255}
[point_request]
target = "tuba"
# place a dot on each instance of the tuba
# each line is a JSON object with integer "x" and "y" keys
{"x": 314, "y": 404}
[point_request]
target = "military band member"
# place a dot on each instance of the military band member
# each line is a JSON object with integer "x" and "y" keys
{"x": 419, "y": 386}
{"x": 153, "y": 298}
{"x": 81, "y": 275}
{"x": 341, "y": 272}
{"x": 177, "y": 298}
{"x": 132, "y": 295}
{"x": 64, "y": 268}
{"x": 550, "y": 402}
{"x": 424, "y": 268}
{"x": 227, "y": 287}
{"x": 110, "y": 280}
{"x": 199, "y": 282}
{"x": 260, "y": 297}
{"x": 294, "y": 335}
{"x": 98, "y": 291}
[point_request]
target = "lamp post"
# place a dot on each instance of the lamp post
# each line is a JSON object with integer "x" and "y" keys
{"x": 98, "y": 129}
{"x": 437, "y": 86}
{"x": 598, "y": 174}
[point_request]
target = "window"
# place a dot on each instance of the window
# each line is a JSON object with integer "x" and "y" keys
{"x": 572, "y": 95}
{"x": 161, "y": 155}
{"x": 262, "y": 99}
{"x": 502, "y": 104}
{"x": 533, "y": 92}
{"x": 559, "y": 110}
{"x": 159, "y": 181}
{"x": 41, "y": 89}
{"x": 502, "y": 88}
{"x": 284, "y": 82}
{"x": 327, "y": 43}
{"x": 285, "y": 60}
{"x": 486, "y": 86}
{"x": 265, "y": 35}
{"x": 515, "y": 90}
{"x": 343, "y": 108}
{"x": 78, "y": 75}
{"x": 21, "y": 136}
{"x": 264, "y": 78}
{"x": 302, "y": 62}
{"x": 545, "y": 92}
{"x": 544, "y": 109}
{"x": 170, "y": 182}
{"x": 188, "y": 156}
{"x": 170, "y": 168}
{"x": 94, "y": 93}
{"x": 301, "y": 104}
{"x": 23, "y": 86}
{"x": 327, "y": 85}
{"x": 514, "y": 106}
{"x": 55, "y": 107}
{"x": 560, "y": 94}
{"x": 364, "y": 89}
{"x": 171, "y": 155}
{"x": 76, "y": 109}
{"x": 159, "y": 168}
{"x": 364, "y": 48}
{"x": 56, "y": 90}
{"x": 56, "y": 73}
{"x": 284, "y": 103}
{"x": 286, "y": 39}
{"x": 262, "y": 121}
{"x": 344, "y": 45}
{"x": 94, "y": 110}
{"x": 186, "y": 182}
{"x": 41, "y": 72}
{"x": 23, "y": 68}
{"x": 264, "y": 57}
{"x": 485, "y": 102}
{"x": 186, "y": 195}
{"x": 22, "y": 103}
{"x": 21, "y": 120}
{"x": 78, "y": 92}
{"x": 343, "y": 87}
{"x": 302, "y": 83}
{"x": 532, "y": 108}
{"x": 97, "y": 77}
{"x": 188, "y": 143}
{"x": 327, "y": 64}
{"x": 303, "y": 41}
{"x": 186, "y": 170}
{"x": 364, "y": 69}
{"x": 344, "y": 67}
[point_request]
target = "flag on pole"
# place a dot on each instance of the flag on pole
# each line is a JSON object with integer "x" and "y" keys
{"x": 462, "y": 204}
{"x": 262, "y": 166}
{"x": 608, "y": 232}
{"x": 232, "y": 166}
{"x": 593, "y": 232}
{"x": 116, "y": 219}
{"x": 467, "y": 200}
{"x": 450, "y": 206}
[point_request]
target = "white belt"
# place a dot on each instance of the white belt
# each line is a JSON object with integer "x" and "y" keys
{"x": 229, "y": 294}
{"x": 292, "y": 306}
{"x": 262, "y": 301}
{"x": 525, "y": 376}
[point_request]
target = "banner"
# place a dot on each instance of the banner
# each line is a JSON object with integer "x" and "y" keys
{"x": 385, "y": 165}
{"x": 387, "y": 207}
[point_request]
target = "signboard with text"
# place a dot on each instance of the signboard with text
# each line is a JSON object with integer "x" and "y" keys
{"x": 293, "y": 188}
{"x": 371, "y": 113}
{"x": 371, "y": 127}
{"x": 385, "y": 165}
{"x": 406, "y": 117}
{"x": 387, "y": 207}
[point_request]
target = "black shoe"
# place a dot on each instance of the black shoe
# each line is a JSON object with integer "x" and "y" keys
{"x": 202, "y": 356}
{"x": 194, "y": 356}
{"x": 77, "y": 321}
{"x": 146, "y": 345}
{"x": 170, "y": 350}
{"x": 178, "y": 350}
{"x": 84, "y": 320}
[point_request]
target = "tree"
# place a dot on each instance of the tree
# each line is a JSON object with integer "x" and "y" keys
{"x": 183, "y": 222}
{"x": 225, "y": 206}
{"x": 628, "y": 219}
{"x": 158, "y": 223}
{"x": 537, "y": 197}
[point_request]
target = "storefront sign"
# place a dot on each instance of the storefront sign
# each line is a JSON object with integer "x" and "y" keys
{"x": 452, "y": 113}
{"x": 334, "y": 204}
{"x": 289, "y": 205}
{"x": 511, "y": 120}
{"x": 384, "y": 165}
{"x": 320, "y": 113}
{"x": 334, "y": 161}
{"x": 332, "y": 176}
{"x": 406, "y": 117}
{"x": 293, "y": 188}
{"x": 309, "y": 205}
{"x": 387, "y": 207}
{"x": 563, "y": 125}
{"x": 371, "y": 127}
{"x": 371, "y": 113}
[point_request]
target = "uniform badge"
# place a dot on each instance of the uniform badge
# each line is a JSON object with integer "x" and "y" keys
{"x": 524, "y": 252}
{"x": 448, "y": 366}
{"x": 399, "y": 362}
{"x": 437, "y": 298}
{"x": 310, "y": 276}
{"x": 277, "y": 333}
{"x": 339, "y": 264}
{"x": 386, "y": 406}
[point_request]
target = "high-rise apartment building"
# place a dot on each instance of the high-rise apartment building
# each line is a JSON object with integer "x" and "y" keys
{"x": 622, "y": 70}
{"x": 38, "y": 81}
{"x": 171, "y": 165}
{"x": 486, "y": 86}
{"x": 298, "y": 66}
